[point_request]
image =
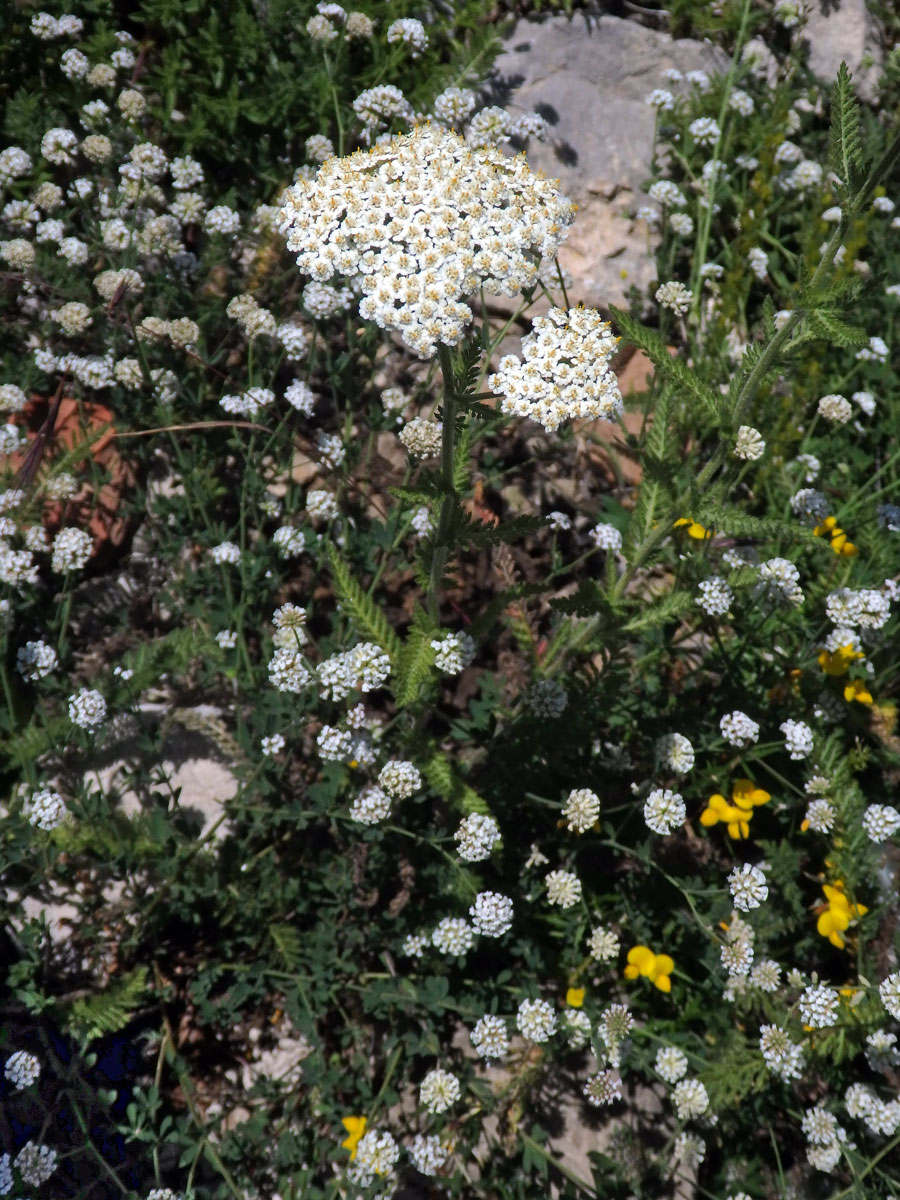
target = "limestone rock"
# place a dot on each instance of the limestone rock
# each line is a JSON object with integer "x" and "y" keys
{"x": 589, "y": 77}
{"x": 843, "y": 31}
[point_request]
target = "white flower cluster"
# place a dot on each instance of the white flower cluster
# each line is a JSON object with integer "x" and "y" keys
{"x": 881, "y": 1117}
{"x": 889, "y": 991}
{"x": 490, "y": 1037}
{"x": 46, "y": 809}
{"x": 818, "y": 1006}
{"x": 427, "y": 1153}
{"x": 491, "y": 914}
{"x": 862, "y": 607}
{"x": 563, "y": 888}
{"x": 476, "y": 837}
{"x": 409, "y": 32}
{"x": 422, "y": 438}
{"x": 603, "y": 1088}
{"x": 782, "y": 1056}
{"x": 779, "y": 580}
{"x": 366, "y": 666}
{"x": 603, "y": 944}
{"x": 36, "y": 1163}
{"x": 664, "y": 811}
{"x": 715, "y": 597}
{"x": 690, "y": 1098}
{"x": 453, "y": 935}
{"x": 424, "y": 221}
{"x": 22, "y": 1069}
{"x": 748, "y": 887}
{"x": 835, "y": 408}
{"x": 377, "y": 1152}
{"x": 536, "y": 1020}
{"x": 606, "y": 537}
{"x": 674, "y": 750}
{"x": 399, "y": 779}
{"x": 34, "y": 660}
{"x": 453, "y": 652}
{"x": 738, "y": 729}
{"x": 87, "y": 708}
{"x": 881, "y": 821}
{"x": 674, "y": 296}
{"x": 71, "y": 550}
{"x": 798, "y": 738}
{"x": 565, "y": 374}
{"x": 749, "y": 444}
{"x": 371, "y": 806}
{"x": 581, "y": 809}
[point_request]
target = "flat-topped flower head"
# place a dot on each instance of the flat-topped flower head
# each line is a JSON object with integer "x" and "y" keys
{"x": 423, "y": 222}
{"x": 564, "y": 373}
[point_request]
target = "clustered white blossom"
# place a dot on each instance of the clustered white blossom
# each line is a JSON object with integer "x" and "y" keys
{"x": 881, "y": 821}
{"x": 715, "y": 596}
{"x": 22, "y": 1069}
{"x": 690, "y": 1098}
{"x": 536, "y": 1020}
{"x": 490, "y": 1037}
{"x": 565, "y": 374}
{"x": 453, "y": 652}
{"x": 476, "y": 837}
{"x": 603, "y": 1088}
{"x": 491, "y": 914}
{"x": 779, "y": 580}
{"x": 738, "y": 729}
{"x": 35, "y": 660}
{"x": 581, "y": 810}
{"x": 606, "y": 537}
{"x": 664, "y": 811}
{"x": 399, "y": 779}
{"x": 87, "y": 708}
{"x": 427, "y": 1153}
{"x": 424, "y": 221}
{"x": 71, "y": 550}
{"x": 603, "y": 944}
{"x": 35, "y": 1163}
{"x": 835, "y": 408}
{"x": 863, "y": 607}
{"x": 818, "y": 1006}
{"x": 46, "y": 809}
{"x": 798, "y": 738}
{"x": 674, "y": 750}
{"x": 674, "y": 296}
{"x": 366, "y": 666}
{"x": 749, "y": 445}
{"x": 563, "y": 888}
{"x": 422, "y": 438}
{"x": 748, "y": 887}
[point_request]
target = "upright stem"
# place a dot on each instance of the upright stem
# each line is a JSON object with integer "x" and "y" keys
{"x": 448, "y": 503}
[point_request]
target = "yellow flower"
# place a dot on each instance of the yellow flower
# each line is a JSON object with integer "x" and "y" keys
{"x": 745, "y": 796}
{"x": 837, "y": 662}
{"x": 839, "y": 543}
{"x": 836, "y": 915}
{"x": 695, "y": 529}
{"x": 356, "y": 1127}
{"x": 575, "y": 997}
{"x": 857, "y": 690}
{"x": 655, "y": 967}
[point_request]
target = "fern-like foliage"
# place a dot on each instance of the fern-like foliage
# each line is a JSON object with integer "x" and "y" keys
{"x": 673, "y": 371}
{"x": 736, "y": 523}
{"x": 361, "y": 608}
{"x": 668, "y": 608}
{"x": 92, "y": 1016}
{"x": 845, "y": 147}
{"x": 467, "y": 530}
{"x": 828, "y": 325}
{"x": 286, "y": 940}
{"x": 450, "y": 787}
{"x": 467, "y": 367}
{"x": 412, "y": 671}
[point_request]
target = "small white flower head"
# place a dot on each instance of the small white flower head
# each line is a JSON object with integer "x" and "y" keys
{"x": 222, "y": 220}
{"x": 581, "y": 810}
{"x": 603, "y": 944}
{"x": 371, "y": 806}
{"x": 576, "y": 1025}
{"x": 741, "y": 102}
{"x": 287, "y": 670}
{"x": 87, "y": 708}
{"x": 426, "y": 1152}
{"x": 821, "y": 816}
{"x": 547, "y": 699}
{"x": 377, "y": 1152}
{"x": 22, "y": 1069}
{"x": 35, "y": 1163}
{"x": 664, "y": 811}
{"x": 603, "y": 1088}
{"x": 715, "y": 597}
{"x": 810, "y": 504}
{"x": 881, "y": 821}
{"x": 889, "y": 991}
{"x": 758, "y": 262}
{"x": 565, "y": 374}
{"x": 270, "y": 746}
{"x": 835, "y": 408}
{"x": 673, "y": 750}
{"x": 559, "y": 521}
{"x": 536, "y": 1020}
{"x": 453, "y": 652}
{"x": 749, "y": 445}
{"x": 818, "y": 1006}
{"x": 876, "y": 351}
{"x": 661, "y": 98}
{"x": 227, "y": 639}
{"x": 705, "y": 131}
{"x": 45, "y": 809}
{"x": 563, "y": 888}
{"x": 490, "y": 1037}
{"x": 226, "y": 552}
{"x": 71, "y": 550}
{"x": 690, "y": 1098}
{"x": 438, "y": 1090}
{"x": 400, "y": 779}
{"x": 700, "y": 80}
{"x": 674, "y": 296}
{"x": 748, "y": 887}
{"x": 681, "y": 224}
{"x": 766, "y": 975}
{"x": 321, "y": 505}
{"x": 798, "y": 738}
{"x": 782, "y": 1056}
{"x": 738, "y": 729}
{"x": 422, "y": 438}
{"x": 670, "y": 1064}
{"x": 35, "y": 660}
{"x": 866, "y": 401}
{"x": 409, "y": 32}
{"x": 414, "y": 945}
{"x": 453, "y": 935}
{"x": 492, "y": 914}
{"x": 779, "y": 580}
{"x": 606, "y": 537}
{"x": 454, "y": 106}
{"x": 476, "y": 837}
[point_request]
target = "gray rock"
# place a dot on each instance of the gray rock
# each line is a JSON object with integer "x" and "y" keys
{"x": 589, "y": 77}
{"x": 843, "y": 31}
